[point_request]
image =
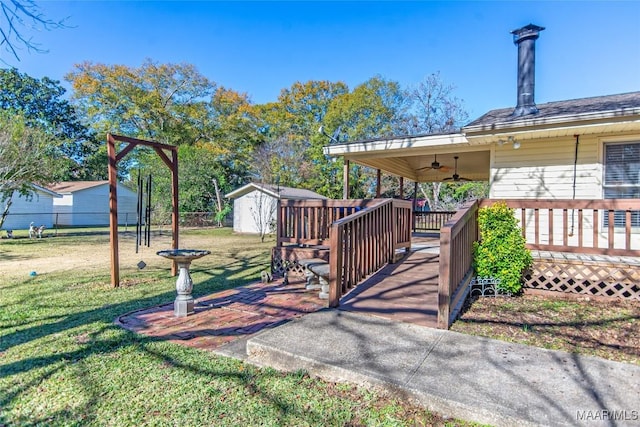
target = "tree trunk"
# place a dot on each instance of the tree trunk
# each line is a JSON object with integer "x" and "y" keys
{"x": 219, "y": 201}
{"x": 433, "y": 195}
{"x": 5, "y": 212}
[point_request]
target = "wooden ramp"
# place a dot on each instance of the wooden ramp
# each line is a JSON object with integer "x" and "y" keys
{"x": 406, "y": 291}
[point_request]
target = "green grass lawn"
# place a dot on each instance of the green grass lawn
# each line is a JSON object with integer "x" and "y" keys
{"x": 64, "y": 362}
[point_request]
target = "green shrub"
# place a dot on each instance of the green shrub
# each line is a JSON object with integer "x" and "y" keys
{"x": 501, "y": 252}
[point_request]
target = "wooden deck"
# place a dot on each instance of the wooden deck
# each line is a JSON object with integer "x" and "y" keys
{"x": 406, "y": 291}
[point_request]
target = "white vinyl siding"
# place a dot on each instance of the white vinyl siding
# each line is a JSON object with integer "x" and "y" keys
{"x": 90, "y": 206}
{"x": 24, "y": 211}
{"x": 245, "y": 209}
{"x": 544, "y": 169}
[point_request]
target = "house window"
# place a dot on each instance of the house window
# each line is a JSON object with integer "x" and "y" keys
{"x": 622, "y": 177}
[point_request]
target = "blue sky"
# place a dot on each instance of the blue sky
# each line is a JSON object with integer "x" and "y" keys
{"x": 588, "y": 48}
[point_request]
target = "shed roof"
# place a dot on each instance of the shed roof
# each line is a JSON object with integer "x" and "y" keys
{"x": 276, "y": 191}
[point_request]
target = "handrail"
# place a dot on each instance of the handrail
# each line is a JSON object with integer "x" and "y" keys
{"x": 430, "y": 220}
{"x": 365, "y": 241}
{"x": 603, "y": 227}
{"x": 456, "y": 262}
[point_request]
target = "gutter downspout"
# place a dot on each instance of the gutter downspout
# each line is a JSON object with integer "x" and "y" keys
{"x": 575, "y": 173}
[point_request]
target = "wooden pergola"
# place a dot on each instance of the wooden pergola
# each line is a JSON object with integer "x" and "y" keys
{"x": 170, "y": 159}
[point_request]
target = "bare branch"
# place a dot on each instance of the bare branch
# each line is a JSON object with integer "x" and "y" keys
{"x": 17, "y": 18}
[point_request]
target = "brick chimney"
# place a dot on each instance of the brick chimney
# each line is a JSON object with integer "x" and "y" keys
{"x": 525, "y": 38}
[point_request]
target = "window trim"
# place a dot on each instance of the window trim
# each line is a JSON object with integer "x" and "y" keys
{"x": 635, "y": 218}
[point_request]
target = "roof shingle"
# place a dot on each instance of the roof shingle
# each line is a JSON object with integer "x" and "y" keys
{"x": 622, "y": 104}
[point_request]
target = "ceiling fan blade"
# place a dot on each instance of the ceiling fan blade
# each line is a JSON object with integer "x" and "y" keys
{"x": 458, "y": 179}
{"x": 441, "y": 168}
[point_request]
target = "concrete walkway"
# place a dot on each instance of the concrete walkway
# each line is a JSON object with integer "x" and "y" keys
{"x": 461, "y": 376}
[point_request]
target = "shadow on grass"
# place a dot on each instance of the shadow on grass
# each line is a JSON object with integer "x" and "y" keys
{"x": 47, "y": 362}
{"x": 553, "y": 326}
{"x": 108, "y": 312}
{"x": 254, "y": 382}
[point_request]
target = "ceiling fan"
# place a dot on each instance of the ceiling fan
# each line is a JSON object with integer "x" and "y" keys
{"x": 435, "y": 165}
{"x": 456, "y": 177}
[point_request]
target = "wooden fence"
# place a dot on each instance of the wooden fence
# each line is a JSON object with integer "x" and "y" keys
{"x": 366, "y": 241}
{"x": 456, "y": 262}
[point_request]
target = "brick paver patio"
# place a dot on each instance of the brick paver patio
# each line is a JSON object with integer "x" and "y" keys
{"x": 227, "y": 315}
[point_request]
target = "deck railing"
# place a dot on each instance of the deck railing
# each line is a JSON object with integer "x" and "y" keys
{"x": 456, "y": 262}
{"x": 430, "y": 221}
{"x": 307, "y": 222}
{"x": 603, "y": 227}
{"x": 364, "y": 242}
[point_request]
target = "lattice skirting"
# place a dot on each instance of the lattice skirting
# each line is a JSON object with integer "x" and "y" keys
{"x": 286, "y": 258}
{"x": 587, "y": 278}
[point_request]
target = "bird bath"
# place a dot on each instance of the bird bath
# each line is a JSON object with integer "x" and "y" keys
{"x": 183, "y": 305}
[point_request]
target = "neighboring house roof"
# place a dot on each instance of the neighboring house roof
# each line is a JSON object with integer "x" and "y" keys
{"x": 599, "y": 107}
{"x": 46, "y": 191}
{"x": 276, "y": 191}
{"x": 67, "y": 187}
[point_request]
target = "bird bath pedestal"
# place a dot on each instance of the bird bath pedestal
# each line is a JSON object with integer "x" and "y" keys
{"x": 183, "y": 305}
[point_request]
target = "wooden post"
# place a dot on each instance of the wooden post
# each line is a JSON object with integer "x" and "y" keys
{"x": 336, "y": 238}
{"x": 113, "y": 211}
{"x": 174, "y": 205}
{"x": 402, "y": 187}
{"x": 378, "y": 184}
{"x": 444, "y": 278}
{"x": 414, "y": 205}
{"x": 279, "y": 224}
{"x": 345, "y": 180}
{"x": 394, "y": 232}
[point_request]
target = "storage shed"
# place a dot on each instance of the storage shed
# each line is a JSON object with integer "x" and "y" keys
{"x": 254, "y": 205}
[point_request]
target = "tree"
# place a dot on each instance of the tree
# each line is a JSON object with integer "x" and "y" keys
{"x": 373, "y": 109}
{"x": 450, "y": 196}
{"x": 166, "y": 103}
{"x": 41, "y": 103}
{"x": 27, "y": 157}
{"x": 216, "y": 128}
{"x": 16, "y": 16}
{"x": 435, "y": 109}
{"x": 289, "y": 127}
{"x": 262, "y": 212}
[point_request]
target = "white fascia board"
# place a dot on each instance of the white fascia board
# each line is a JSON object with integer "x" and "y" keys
{"x": 574, "y": 120}
{"x": 557, "y": 131}
{"x": 395, "y": 144}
